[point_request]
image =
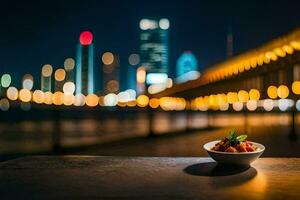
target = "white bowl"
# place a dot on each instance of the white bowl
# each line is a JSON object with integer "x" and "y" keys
{"x": 242, "y": 158}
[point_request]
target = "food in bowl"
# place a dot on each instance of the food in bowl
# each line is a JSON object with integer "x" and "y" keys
{"x": 234, "y": 144}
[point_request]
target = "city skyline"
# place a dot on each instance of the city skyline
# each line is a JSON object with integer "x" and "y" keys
{"x": 52, "y": 38}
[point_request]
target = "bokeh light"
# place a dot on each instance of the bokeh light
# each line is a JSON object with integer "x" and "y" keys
{"x": 60, "y": 74}
{"x": 243, "y": 96}
{"x": 164, "y": 24}
{"x": 134, "y": 59}
{"x": 254, "y": 94}
{"x": 272, "y": 92}
{"x": 251, "y": 105}
{"x": 283, "y": 91}
{"x": 69, "y": 88}
{"x": 124, "y": 97}
{"x": 12, "y": 93}
{"x": 91, "y": 100}
{"x": 38, "y": 96}
{"x": 79, "y": 100}
{"x": 86, "y": 38}
{"x": 27, "y": 81}
{"x": 5, "y": 80}
{"x": 69, "y": 64}
{"x": 154, "y": 103}
{"x": 268, "y": 104}
{"x": 48, "y": 98}
{"x": 237, "y": 106}
{"x": 68, "y": 99}
{"x": 142, "y": 101}
{"x": 107, "y": 58}
{"x": 25, "y": 95}
{"x": 296, "y": 87}
{"x": 58, "y": 98}
{"x": 141, "y": 75}
{"x": 47, "y": 70}
{"x": 110, "y": 99}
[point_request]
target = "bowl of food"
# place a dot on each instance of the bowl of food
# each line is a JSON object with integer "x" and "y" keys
{"x": 234, "y": 150}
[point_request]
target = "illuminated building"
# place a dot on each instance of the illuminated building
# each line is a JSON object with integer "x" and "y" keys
{"x": 154, "y": 49}
{"x": 111, "y": 76}
{"x": 186, "y": 68}
{"x": 85, "y": 64}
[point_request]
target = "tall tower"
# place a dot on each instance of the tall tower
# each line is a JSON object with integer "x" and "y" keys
{"x": 154, "y": 49}
{"x": 229, "y": 46}
{"x": 85, "y": 64}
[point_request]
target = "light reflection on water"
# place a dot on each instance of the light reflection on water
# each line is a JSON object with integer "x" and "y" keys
{"x": 35, "y": 136}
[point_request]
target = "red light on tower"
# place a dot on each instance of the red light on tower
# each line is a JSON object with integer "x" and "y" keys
{"x": 86, "y": 38}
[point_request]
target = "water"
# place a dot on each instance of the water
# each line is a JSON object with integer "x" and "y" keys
{"x": 36, "y": 135}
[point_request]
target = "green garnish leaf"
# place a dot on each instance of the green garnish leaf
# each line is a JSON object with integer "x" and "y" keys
{"x": 241, "y": 138}
{"x": 232, "y": 137}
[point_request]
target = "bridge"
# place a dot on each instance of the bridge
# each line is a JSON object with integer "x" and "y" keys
{"x": 270, "y": 71}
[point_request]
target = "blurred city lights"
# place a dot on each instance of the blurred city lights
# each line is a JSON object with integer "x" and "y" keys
{"x": 237, "y": 106}
{"x": 4, "y": 104}
{"x": 154, "y": 103}
{"x": 60, "y": 74}
{"x": 134, "y": 59}
{"x": 142, "y": 101}
{"x": 243, "y": 96}
{"x": 38, "y": 96}
{"x": 25, "y": 95}
{"x": 283, "y": 91}
{"x": 272, "y": 92}
{"x": 232, "y": 97}
{"x": 124, "y": 97}
{"x": 69, "y": 64}
{"x": 141, "y": 75}
{"x": 92, "y": 100}
{"x": 58, "y": 98}
{"x": 68, "y": 99}
{"x": 164, "y": 24}
{"x": 283, "y": 104}
{"x": 110, "y": 99}
{"x": 86, "y": 38}
{"x": 79, "y": 100}
{"x": 146, "y": 24}
{"x": 27, "y": 81}
{"x": 251, "y": 105}
{"x": 5, "y": 80}
{"x": 48, "y": 98}
{"x": 254, "y": 94}
{"x": 296, "y": 87}
{"x": 47, "y": 70}
{"x": 69, "y": 88}
{"x": 156, "y": 78}
{"x": 268, "y": 104}
{"x": 132, "y": 93}
{"x": 298, "y": 105}
{"x": 12, "y": 93}
{"x": 107, "y": 58}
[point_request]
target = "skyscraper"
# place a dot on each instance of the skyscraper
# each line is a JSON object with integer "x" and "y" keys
{"x": 85, "y": 64}
{"x": 154, "y": 49}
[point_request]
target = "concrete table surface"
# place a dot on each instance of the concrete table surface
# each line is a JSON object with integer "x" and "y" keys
{"x": 97, "y": 177}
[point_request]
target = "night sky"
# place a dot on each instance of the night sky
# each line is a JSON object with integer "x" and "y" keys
{"x": 34, "y": 33}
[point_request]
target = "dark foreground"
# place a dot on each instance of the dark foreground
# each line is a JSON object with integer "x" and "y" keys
{"x": 94, "y": 177}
